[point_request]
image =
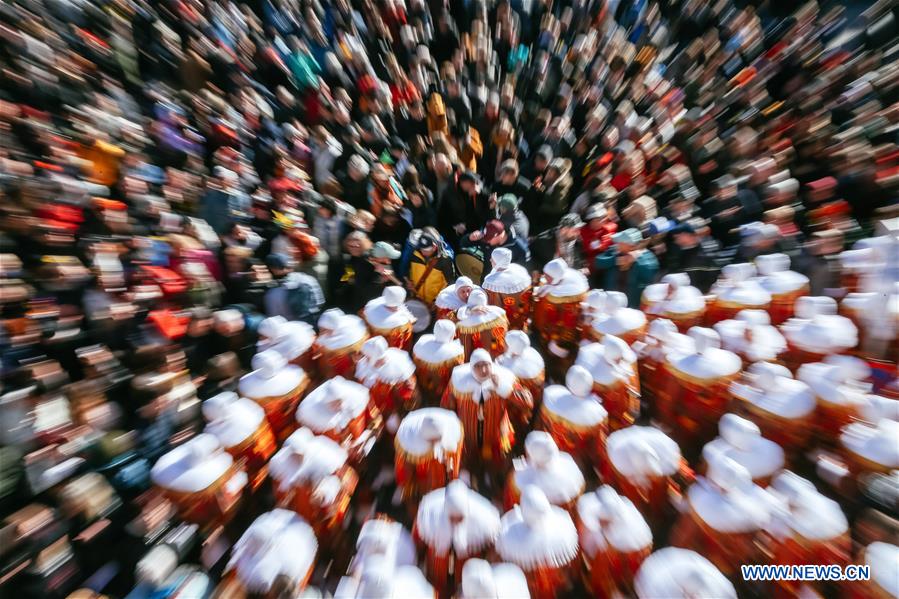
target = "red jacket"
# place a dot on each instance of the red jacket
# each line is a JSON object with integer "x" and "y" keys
{"x": 597, "y": 241}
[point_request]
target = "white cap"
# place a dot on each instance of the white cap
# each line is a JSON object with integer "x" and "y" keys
{"x": 444, "y": 331}
{"x": 477, "y": 298}
{"x": 540, "y": 448}
{"x": 155, "y": 567}
{"x": 272, "y": 327}
{"x": 430, "y": 428}
{"x": 754, "y": 317}
{"x": 268, "y": 362}
{"x": 809, "y": 306}
{"x": 726, "y": 472}
{"x": 555, "y": 269}
{"x": 614, "y": 348}
{"x": 480, "y": 355}
{"x": 579, "y": 381}
{"x": 456, "y": 498}
{"x": 534, "y": 504}
{"x": 660, "y": 328}
{"x": 517, "y": 342}
{"x": 615, "y": 300}
{"x": 217, "y": 406}
{"x": 677, "y": 279}
{"x": 738, "y": 272}
{"x": 394, "y": 296}
{"x": 771, "y": 263}
{"x": 463, "y": 281}
{"x": 704, "y": 338}
{"x": 501, "y": 257}
{"x": 596, "y": 299}
{"x": 477, "y": 579}
{"x": 330, "y": 319}
{"x": 375, "y": 347}
{"x": 737, "y": 431}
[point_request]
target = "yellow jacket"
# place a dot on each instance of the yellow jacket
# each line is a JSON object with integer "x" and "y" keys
{"x": 427, "y": 289}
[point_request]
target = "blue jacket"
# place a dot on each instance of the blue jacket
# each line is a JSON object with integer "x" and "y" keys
{"x": 642, "y": 273}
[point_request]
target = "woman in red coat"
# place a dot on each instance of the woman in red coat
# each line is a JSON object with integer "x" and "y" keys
{"x": 596, "y": 236}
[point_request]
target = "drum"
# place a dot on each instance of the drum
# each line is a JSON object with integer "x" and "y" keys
{"x": 201, "y": 480}
{"x": 421, "y": 313}
{"x": 516, "y": 305}
{"x": 470, "y": 262}
{"x": 614, "y": 539}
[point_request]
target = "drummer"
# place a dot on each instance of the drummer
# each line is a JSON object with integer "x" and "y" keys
{"x": 675, "y": 299}
{"x": 542, "y": 540}
{"x": 389, "y": 374}
{"x": 388, "y": 317}
{"x": 453, "y": 297}
{"x": 554, "y": 472}
{"x": 526, "y": 363}
{"x": 575, "y": 418}
{"x": 428, "y": 448}
{"x": 606, "y": 313}
{"x": 481, "y": 325}
{"x": 557, "y": 313}
{"x": 311, "y": 475}
{"x": 454, "y": 523}
{"x": 435, "y": 356}
{"x": 487, "y": 398}
{"x": 340, "y": 338}
{"x": 509, "y": 286}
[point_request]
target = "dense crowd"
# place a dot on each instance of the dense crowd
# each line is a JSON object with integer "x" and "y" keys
{"x": 178, "y": 179}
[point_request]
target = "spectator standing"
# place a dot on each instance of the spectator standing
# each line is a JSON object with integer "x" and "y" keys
{"x": 627, "y": 266}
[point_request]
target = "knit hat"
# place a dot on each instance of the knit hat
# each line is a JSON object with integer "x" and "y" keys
{"x": 507, "y": 202}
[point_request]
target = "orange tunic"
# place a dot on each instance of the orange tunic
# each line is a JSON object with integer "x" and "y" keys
{"x": 487, "y": 412}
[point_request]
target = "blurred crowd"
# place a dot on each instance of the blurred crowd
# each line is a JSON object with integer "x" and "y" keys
{"x": 181, "y": 182}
